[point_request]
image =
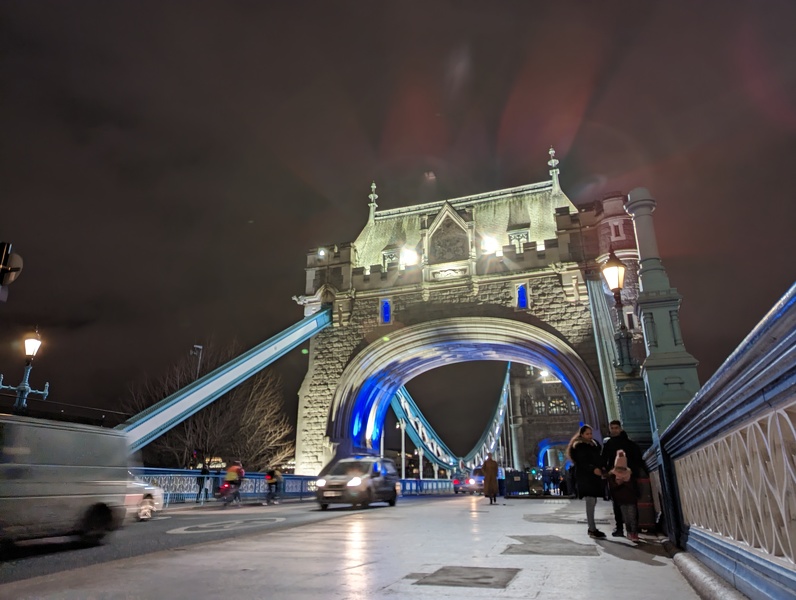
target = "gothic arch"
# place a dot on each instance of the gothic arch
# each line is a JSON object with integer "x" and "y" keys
{"x": 372, "y": 377}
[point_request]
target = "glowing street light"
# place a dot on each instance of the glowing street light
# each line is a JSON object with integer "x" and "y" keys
{"x": 23, "y": 390}
{"x": 614, "y": 272}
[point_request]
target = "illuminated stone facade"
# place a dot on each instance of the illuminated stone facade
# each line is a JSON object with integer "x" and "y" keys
{"x": 524, "y": 254}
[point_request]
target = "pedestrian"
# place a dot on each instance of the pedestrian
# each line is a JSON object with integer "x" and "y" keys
{"x": 584, "y": 452}
{"x": 555, "y": 481}
{"x": 273, "y": 479}
{"x": 490, "y": 469}
{"x": 623, "y": 493}
{"x": 201, "y": 482}
{"x": 619, "y": 440}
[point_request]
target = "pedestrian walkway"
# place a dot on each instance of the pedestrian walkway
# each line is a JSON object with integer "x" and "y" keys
{"x": 438, "y": 548}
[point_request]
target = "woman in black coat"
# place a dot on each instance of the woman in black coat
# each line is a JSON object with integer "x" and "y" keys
{"x": 585, "y": 454}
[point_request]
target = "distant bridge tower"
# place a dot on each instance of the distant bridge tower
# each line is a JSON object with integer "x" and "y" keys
{"x": 506, "y": 275}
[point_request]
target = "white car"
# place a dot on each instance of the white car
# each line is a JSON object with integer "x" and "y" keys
{"x": 144, "y": 499}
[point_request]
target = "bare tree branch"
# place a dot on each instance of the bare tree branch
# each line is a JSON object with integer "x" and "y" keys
{"x": 247, "y": 424}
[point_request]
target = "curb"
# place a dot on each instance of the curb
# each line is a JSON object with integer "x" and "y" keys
{"x": 705, "y": 582}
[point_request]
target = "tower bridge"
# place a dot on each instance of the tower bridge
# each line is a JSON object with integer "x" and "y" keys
{"x": 512, "y": 275}
{"x": 506, "y": 275}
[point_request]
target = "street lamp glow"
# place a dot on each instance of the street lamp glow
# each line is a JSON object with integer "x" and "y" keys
{"x": 32, "y": 343}
{"x": 614, "y": 272}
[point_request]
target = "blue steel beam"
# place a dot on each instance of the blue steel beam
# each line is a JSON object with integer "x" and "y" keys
{"x": 434, "y": 449}
{"x": 420, "y": 431}
{"x": 173, "y": 410}
{"x": 492, "y": 433}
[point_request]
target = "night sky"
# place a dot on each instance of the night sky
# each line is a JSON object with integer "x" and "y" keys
{"x": 166, "y": 165}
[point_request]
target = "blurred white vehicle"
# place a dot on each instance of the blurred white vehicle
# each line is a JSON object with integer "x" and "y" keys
{"x": 60, "y": 479}
{"x": 143, "y": 499}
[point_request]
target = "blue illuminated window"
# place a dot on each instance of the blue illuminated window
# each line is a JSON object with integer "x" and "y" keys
{"x": 522, "y": 296}
{"x": 385, "y": 311}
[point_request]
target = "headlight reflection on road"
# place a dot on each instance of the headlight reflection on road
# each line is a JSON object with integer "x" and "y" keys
{"x": 355, "y": 571}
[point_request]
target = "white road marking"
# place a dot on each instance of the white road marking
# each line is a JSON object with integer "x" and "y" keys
{"x": 226, "y": 525}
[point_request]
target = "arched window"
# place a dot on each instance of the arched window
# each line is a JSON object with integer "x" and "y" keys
{"x": 573, "y": 407}
{"x": 557, "y": 406}
{"x": 522, "y": 296}
{"x": 538, "y": 407}
{"x": 385, "y": 311}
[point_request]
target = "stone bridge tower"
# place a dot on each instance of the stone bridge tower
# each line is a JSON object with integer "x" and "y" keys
{"x": 504, "y": 275}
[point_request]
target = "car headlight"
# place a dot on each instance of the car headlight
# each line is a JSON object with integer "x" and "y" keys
{"x": 356, "y": 481}
{"x": 320, "y": 483}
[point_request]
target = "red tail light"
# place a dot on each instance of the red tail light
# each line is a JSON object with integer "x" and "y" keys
{"x": 455, "y": 482}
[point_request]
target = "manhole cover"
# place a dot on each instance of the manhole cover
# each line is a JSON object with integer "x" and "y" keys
{"x": 549, "y": 545}
{"x": 474, "y": 577}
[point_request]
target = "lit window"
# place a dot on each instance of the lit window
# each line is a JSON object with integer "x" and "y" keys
{"x": 573, "y": 407}
{"x": 630, "y": 318}
{"x": 522, "y": 296}
{"x": 538, "y": 407}
{"x": 388, "y": 257}
{"x": 518, "y": 238}
{"x": 558, "y": 407}
{"x": 617, "y": 233}
{"x": 385, "y": 311}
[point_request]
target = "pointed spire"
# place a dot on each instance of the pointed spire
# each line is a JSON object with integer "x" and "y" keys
{"x": 373, "y": 206}
{"x": 553, "y": 163}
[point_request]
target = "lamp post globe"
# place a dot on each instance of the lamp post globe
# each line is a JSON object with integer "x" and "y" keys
{"x": 32, "y": 345}
{"x": 613, "y": 270}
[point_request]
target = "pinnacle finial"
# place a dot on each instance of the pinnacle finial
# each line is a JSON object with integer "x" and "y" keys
{"x": 553, "y": 162}
{"x": 373, "y": 206}
{"x": 373, "y": 195}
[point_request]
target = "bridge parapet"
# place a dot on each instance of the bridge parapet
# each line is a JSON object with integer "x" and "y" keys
{"x": 731, "y": 457}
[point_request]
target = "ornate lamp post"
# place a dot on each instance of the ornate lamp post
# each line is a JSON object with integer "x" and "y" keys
{"x": 23, "y": 390}
{"x": 614, "y": 273}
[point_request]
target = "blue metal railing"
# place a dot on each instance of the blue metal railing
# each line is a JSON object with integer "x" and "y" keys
{"x": 724, "y": 467}
{"x": 180, "y": 485}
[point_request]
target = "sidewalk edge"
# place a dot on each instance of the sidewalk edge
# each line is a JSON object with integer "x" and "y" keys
{"x": 705, "y": 582}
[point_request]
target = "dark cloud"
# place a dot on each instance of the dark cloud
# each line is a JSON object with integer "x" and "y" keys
{"x": 165, "y": 166}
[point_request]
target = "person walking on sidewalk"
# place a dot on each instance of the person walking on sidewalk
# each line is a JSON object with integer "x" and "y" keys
{"x": 623, "y": 493}
{"x": 201, "y": 482}
{"x": 584, "y": 452}
{"x": 635, "y": 462}
{"x": 490, "y": 469}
